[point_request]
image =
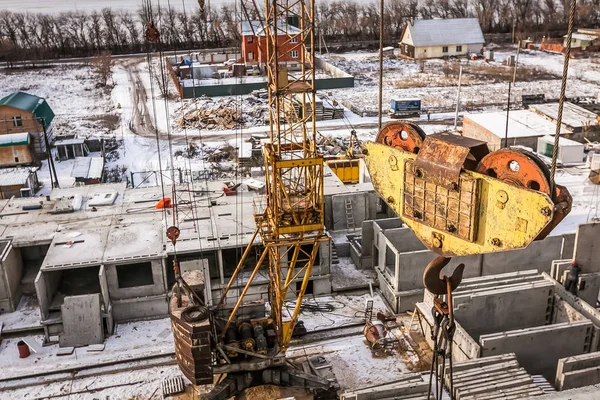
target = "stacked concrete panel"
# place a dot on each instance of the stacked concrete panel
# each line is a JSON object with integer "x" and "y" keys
{"x": 525, "y": 313}
{"x": 408, "y": 387}
{"x": 491, "y": 378}
{"x": 578, "y": 371}
{"x": 399, "y": 260}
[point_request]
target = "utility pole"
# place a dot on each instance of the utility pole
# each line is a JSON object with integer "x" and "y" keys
{"x": 510, "y": 84}
{"x": 49, "y": 153}
{"x": 458, "y": 98}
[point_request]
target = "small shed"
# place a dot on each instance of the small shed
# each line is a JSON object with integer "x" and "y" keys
{"x": 88, "y": 170}
{"x": 575, "y": 118}
{"x": 524, "y": 128}
{"x": 16, "y": 149}
{"x": 68, "y": 149}
{"x": 569, "y": 151}
{"x": 18, "y": 182}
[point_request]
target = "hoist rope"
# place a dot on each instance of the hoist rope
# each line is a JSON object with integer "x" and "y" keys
{"x": 561, "y": 101}
{"x": 379, "y": 121}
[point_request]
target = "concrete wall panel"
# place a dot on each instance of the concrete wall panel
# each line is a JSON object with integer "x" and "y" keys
{"x": 539, "y": 255}
{"x": 587, "y": 247}
{"x": 539, "y": 349}
{"x": 502, "y": 309}
{"x": 82, "y": 321}
{"x": 140, "y": 308}
{"x": 156, "y": 288}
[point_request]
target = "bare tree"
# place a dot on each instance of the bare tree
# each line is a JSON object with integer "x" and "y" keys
{"x": 102, "y": 66}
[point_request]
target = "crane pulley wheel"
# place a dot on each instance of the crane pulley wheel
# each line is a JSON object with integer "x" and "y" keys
{"x": 403, "y": 135}
{"x": 517, "y": 167}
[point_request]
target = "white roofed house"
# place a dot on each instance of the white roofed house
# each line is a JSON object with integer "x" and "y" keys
{"x": 436, "y": 38}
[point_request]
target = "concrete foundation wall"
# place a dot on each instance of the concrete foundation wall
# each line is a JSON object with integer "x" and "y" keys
{"x": 11, "y": 271}
{"x": 412, "y": 265}
{"x": 564, "y": 312}
{"x": 140, "y": 308}
{"x": 539, "y": 349}
{"x": 503, "y": 309}
{"x": 156, "y": 288}
{"x": 538, "y": 255}
{"x": 587, "y": 247}
{"x": 46, "y": 284}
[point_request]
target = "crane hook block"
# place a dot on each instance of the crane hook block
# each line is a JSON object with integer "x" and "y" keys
{"x": 458, "y": 209}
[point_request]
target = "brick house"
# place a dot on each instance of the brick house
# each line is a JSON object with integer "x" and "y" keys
{"x": 254, "y": 43}
{"x": 23, "y": 120}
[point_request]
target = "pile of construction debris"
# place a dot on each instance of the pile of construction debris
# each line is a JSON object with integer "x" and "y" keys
{"x": 223, "y": 113}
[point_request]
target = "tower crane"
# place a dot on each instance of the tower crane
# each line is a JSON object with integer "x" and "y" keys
{"x": 289, "y": 221}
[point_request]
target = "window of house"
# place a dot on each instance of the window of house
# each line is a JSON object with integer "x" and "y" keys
{"x": 16, "y": 159}
{"x": 294, "y": 40}
{"x": 133, "y": 275}
{"x": 250, "y": 39}
{"x": 251, "y": 56}
{"x": 18, "y": 121}
{"x": 294, "y": 53}
{"x": 458, "y": 48}
{"x": 445, "y": 49}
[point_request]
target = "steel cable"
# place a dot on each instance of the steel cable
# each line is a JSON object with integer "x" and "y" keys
{"x": 561, "y": 101}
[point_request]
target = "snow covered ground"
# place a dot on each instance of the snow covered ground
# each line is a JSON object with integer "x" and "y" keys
{"x": 70, "y": 90}
{"x": 437, "y": 91}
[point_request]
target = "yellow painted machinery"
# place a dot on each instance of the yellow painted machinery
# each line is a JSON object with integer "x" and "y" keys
{"x": 458, "y": 197}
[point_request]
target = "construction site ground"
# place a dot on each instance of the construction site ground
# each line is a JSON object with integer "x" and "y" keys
{"x": 136, "y": 359}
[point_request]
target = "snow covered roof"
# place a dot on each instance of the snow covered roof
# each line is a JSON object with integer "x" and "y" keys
{"x": 14, "y": 139}
{"x": 249, "y": 28}
{"x": 68, "y": 142}
{"x": 257, "y": 28}
{"x": 438, "y": 32}
{"x": 14, "y": 176}
{"x": 583, "y": 36}
{"x": 88, "y": 167}
{"x": 573, "y": 115}
{"x": 521, "y": 123}
{"x": 562, "y": 142}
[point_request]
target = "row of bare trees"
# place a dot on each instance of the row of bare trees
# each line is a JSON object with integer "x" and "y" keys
{"x": 73, "y": 34}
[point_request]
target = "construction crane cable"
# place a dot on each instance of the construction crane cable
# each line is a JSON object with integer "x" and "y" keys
{"x": 380, "y": 118}
{"x": 563, "y": 89}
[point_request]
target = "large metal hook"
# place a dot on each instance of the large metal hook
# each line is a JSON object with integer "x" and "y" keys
{"x": 437, "y": 284}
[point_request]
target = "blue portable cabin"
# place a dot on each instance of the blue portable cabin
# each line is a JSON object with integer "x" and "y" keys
{"x": 412, "y": 105}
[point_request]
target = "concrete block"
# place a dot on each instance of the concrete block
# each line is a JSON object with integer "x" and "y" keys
{"x": 538, "y": 349}
{"x": 587, "y": 248}
{"x": 558, "y": 268}
{"x": 82, "y": 321}
{"x": 539, "y": 255}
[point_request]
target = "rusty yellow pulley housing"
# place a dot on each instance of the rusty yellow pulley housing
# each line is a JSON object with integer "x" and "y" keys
{"x": 458, "y": 197}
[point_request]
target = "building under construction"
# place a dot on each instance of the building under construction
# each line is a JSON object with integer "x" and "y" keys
{"x": 324, "y": 278}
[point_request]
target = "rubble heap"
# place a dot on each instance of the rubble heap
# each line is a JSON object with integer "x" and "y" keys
{"x": 223, "y": 113}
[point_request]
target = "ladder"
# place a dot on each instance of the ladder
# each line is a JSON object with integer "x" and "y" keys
{"x": 349, "y": 215}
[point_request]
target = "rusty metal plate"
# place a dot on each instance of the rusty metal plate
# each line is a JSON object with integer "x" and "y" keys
{"x": 442, "y": 156}
{"x": 451, "y": 211}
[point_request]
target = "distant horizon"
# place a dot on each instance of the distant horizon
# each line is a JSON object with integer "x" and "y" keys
{"x": 58, "y": 6}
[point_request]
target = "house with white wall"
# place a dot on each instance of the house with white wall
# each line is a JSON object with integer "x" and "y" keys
{"x": 437, "y": 38}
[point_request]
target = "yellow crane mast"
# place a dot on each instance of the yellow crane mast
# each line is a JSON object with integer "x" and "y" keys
{"x": 250, "y": 351}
